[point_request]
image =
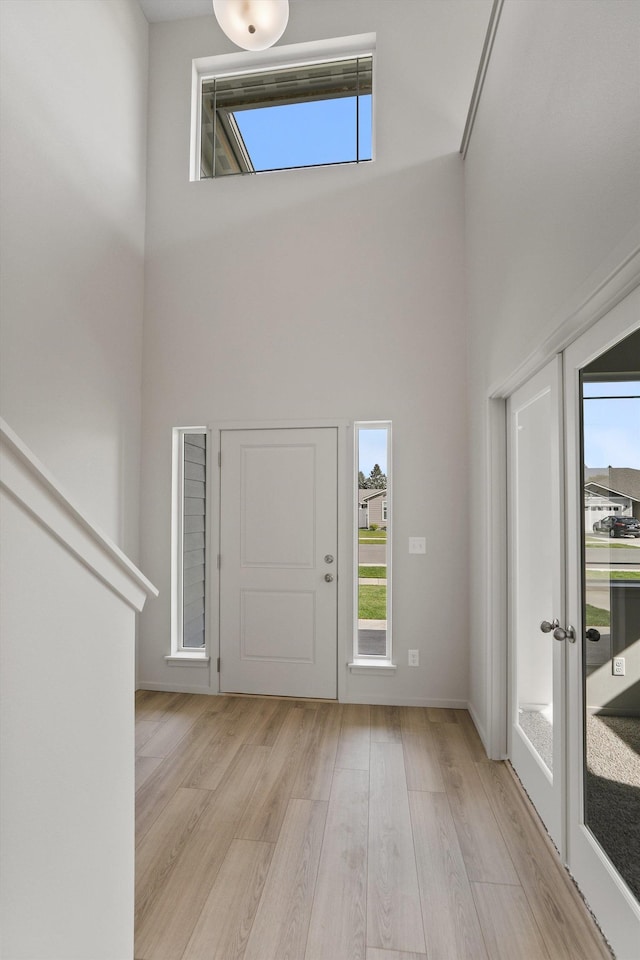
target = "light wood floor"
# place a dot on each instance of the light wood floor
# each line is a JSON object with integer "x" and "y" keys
{"x": 289, "y": 830}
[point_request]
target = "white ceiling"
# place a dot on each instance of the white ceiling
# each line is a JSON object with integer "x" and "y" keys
{"x": 156, "y": 10}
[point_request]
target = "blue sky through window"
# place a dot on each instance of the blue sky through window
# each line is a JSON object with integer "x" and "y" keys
{"x": 612, "y": 425}
{"x": 372, "y": 449}
{"x": 306, "y": 134}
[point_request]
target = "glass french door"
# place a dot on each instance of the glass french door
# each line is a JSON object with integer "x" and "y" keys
{"x": 602, "y": 404}
{"x": 573, "y": 448}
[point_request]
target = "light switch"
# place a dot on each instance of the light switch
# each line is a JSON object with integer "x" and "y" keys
{"x": 417, "y": 545}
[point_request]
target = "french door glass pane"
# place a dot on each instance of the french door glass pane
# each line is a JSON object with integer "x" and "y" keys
{"x": 611, "y": 500}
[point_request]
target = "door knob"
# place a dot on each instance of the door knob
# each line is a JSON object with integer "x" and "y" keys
{"x": 328, "y": 577}
{"x": 328, "y": 558}
{"x": 568, "y": 634}
{"x": 592, "y": 634}
{"x": 547, "y": 626}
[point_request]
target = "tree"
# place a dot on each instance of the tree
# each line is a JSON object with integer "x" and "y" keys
{"x": 362, "y": 483}
{"x": 377, "y": 480}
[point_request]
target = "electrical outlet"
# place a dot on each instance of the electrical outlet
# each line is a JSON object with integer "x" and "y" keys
{"x": 414, "y": 658}
{"x": 618, "y": 666}
{"x": 417, "y": 545}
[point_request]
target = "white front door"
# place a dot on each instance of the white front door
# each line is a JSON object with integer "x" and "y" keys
{"x": 278, "y": 562}
{"x": 536, "y": 596}
{"x": 602, "y": 403}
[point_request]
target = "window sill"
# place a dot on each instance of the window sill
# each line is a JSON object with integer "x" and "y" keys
{"x": 188, "y": 659}
{"x": 371, "y": 666}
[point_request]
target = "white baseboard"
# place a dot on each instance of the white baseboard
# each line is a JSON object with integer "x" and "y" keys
{"x": 176, "y": 688}
{"x": 408, "y": 702}
{"x": 371, "y": 701}
{"x": 482, "y": 733}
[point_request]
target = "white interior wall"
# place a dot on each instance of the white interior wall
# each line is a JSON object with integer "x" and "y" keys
{"x": 67, "y": 790}
{"x": 319, "y": 294}
{"x": 552, "y": 207}
{"x": 74, "y": 87}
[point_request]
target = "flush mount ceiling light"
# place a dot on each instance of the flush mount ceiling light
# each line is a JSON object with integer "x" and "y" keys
{"x": 252, "y": 24}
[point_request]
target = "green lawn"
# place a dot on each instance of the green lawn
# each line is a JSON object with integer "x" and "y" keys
{"x": 372, "y": 572}
{"x": 612, "y": 544}
{"x": 372, "y": 603}
{"x": 609, "y": 574}
{"x": 596, "y": 616}
{"x": 365, "y": 535}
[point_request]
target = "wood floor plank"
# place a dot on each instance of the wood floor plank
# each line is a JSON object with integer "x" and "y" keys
{"x": 452, "y": 930}
{"x": 483, "y": 847}
{"x": 155, "y": 705}
{"x": 472, "y": 737}
{"x": 385, "y": 724}
{"x": 213, "y": 763}
{"x": 374, "y": 953}
{"x": 420, "y": 756}
{"x": 160, "y": 787}
{"x": 145, "y": 767}
{"x": 234, "y": 791}
{"x": 315, "y": 771}
{"x": 282, "y": 920}
{"x": 441, "y": 715}
{"x": 564, "y": 922}
{"x": 158, "y": 851}
{"x": 265, "y": 812}
{"x": 224, "y": 925}
{"x": 394, "y": 916}
{"x": 338, "y": 919}
{"x": 507, "y": 923}
{"x": 174, "y": 728}
{"x": 265, "y": 719}
{"x": 163, "y": 932}
{"x": 355, "y": 737}
{"x": 451, "y": 744}
{"x": 144, "y": 730}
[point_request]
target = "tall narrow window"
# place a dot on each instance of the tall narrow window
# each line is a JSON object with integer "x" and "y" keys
{"x": 189, "y": 554}
{"x": 372, "y": 634}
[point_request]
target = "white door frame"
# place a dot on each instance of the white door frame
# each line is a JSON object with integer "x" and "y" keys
{"x": 345, "y": 540}
{"x": 617, "y": 278}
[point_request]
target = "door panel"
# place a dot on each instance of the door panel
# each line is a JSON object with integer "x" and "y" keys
{"x": 535, "y": 564}
{"x": 278, "y": 610}
{"x": 603, "y": 711}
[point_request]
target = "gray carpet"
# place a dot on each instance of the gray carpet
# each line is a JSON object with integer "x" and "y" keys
{"x": 539, "y": 731}
{"x": 612, "y": 785}
{"x": 613, "y": 792}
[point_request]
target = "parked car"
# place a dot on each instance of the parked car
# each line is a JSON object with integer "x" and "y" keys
{"x": 620, "y": 526}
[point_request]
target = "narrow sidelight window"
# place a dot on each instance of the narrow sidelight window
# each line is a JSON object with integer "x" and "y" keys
{"x": 372, "y": 632}
{"x": 189, "y": 537}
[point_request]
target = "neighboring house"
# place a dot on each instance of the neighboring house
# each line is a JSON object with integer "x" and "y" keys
{"x": 373, "y": 508}
{"x": 614, "y": 491}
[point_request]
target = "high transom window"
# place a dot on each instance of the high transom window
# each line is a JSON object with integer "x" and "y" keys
{"x": 297, "y": 116}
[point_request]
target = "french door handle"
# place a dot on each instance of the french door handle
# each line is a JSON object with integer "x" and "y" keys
{"x": 562, "y": 634}
{"x": 547, "y": 626}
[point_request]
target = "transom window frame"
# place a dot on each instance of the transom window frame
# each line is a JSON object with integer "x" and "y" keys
{"x": 291, "y": 55}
